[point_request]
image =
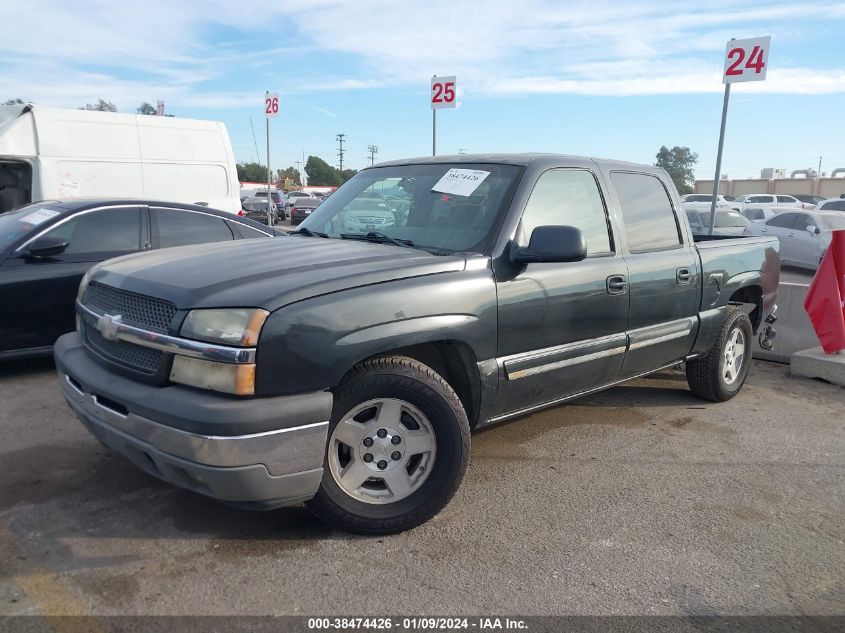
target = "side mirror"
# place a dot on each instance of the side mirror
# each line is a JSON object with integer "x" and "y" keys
{"x": 47, "y": 247}
{"x": 813, "y": 230}
{"x": 552, "y": 244}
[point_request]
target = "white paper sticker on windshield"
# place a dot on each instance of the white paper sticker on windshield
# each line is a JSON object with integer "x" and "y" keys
{"x": 460, "y": 182}
{"x": 39, "y": 217}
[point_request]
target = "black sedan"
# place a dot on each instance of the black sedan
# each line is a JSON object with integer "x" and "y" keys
{"x": 46, "y": 248}
{"x": 302, "y": 208}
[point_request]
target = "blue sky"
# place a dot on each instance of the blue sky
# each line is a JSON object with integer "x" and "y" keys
{"x": 612, "y": 79}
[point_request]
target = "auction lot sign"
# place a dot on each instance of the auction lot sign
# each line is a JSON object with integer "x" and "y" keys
{"x": 746, "y": 60}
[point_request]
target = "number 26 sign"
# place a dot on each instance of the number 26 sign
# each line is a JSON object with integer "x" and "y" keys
{"x": 443, "y": 92}
{"x": 746, "y": 60}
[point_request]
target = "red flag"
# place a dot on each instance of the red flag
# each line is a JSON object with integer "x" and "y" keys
{"x": 825, "y": 301}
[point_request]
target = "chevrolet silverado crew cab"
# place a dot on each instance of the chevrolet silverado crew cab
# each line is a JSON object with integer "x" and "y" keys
{"x": 347, "y": 369}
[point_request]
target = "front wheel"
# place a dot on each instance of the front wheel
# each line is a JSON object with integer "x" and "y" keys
{"x": 719, "y": 375}
{"x": 397, "y": 450}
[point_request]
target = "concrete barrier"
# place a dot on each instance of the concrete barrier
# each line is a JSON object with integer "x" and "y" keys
{"x": 794, "y": 330}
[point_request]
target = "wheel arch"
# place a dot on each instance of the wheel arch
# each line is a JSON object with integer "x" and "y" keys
{"x": 750, "y": 295}
{"x": 454, "y": 360}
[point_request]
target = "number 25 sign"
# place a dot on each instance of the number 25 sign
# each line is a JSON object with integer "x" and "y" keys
{"x": 746, "y": 60}
{"x": 443, "y": 92}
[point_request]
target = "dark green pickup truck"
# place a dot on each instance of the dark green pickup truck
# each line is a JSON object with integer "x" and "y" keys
{"x": 346, "y": 364}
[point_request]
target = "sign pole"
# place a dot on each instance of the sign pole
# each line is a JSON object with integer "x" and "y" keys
{"x": 433, "y": 127}
{"x": 718, "y": 178}
{"x": 269, "y": 177}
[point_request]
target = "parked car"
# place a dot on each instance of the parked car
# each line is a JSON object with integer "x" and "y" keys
{"x": 347, "y": 369}
{"x": 695, "y": 222}
{"x": 764, "y": 200}
{"x": 807, "y": 198}
{"x": 292, "y": 196}
{"x": 259, "y": 210}
{"x": 279, "y": 203}
{"x": 367, "y": 214}
{"x": 804, "y": 235}
{"x": 763, "y": 213}
{"x": 46, "y": 248}
{"x": 728, "y": 222}
{"x": 832, "y": 204}
{"x": 302, "y": 209}
{"x": 702, "y": 202}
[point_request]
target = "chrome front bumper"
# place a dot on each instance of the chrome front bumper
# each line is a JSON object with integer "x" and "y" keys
{"x": 263, "y": 470}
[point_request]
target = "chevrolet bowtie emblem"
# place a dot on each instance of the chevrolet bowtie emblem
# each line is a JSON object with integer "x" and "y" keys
{"x": 107, "y": 326}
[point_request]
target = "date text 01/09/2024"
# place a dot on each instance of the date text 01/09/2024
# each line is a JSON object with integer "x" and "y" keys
{"x": 416, "y": 623}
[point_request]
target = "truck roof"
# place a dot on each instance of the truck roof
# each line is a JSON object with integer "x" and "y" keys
{"x": 519, "y": 159}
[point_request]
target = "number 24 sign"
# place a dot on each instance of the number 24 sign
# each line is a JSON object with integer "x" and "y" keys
{"x": 746, "y": 60}
{"x": 443, "y": 92}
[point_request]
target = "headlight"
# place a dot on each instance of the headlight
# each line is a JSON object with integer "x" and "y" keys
{"x": 230, "y": 326}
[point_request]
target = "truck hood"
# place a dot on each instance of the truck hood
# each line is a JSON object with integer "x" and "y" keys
{"x": 266, "y": 273}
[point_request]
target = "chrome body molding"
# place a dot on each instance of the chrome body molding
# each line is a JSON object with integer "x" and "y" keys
{"x": 112, "y": 328}
{"x": 539, "y": 361}
{"x": 282, "y": 452}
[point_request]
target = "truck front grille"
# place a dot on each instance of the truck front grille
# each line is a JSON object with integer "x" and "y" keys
{"x": 135, "y": 357}
{"x": 139, "y": 310}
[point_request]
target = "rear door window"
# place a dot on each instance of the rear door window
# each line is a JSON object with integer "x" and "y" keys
{"x": 787, "y": 199}
{"x": 175, "y": 227}
{"x": 650, "y": 222}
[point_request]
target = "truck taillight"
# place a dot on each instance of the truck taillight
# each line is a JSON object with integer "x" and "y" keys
{"x": 241, "y": 213}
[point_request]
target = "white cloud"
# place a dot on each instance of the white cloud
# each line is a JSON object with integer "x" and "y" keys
{"x": 65, "y": 53}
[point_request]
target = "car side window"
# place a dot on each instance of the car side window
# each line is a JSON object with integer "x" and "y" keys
{"x": 568, "y": 197}
{"x": 755, "y": 214}
{"x": 784, "y": 220}
{"x": 650, "y": 222}
{"x": 107, "y": 231}
{"x": 788, "y": 199}
{"x": 246, "y": 232}
{"x": 174, "y": 227}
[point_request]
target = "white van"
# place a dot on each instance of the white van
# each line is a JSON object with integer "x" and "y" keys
{"x": 49, "y": 153}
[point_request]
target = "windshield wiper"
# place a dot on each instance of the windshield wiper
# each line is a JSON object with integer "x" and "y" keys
{"x": 307, "y": 232}
{"x": 377, "y": 236}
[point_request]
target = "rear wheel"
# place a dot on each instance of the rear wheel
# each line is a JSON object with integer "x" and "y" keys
{"x": 720, "y": 374}
{"x": 397, "y": 450}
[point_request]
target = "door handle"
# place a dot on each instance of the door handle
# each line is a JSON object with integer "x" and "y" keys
{"x": 683, "y": 275}
{"x": 791, "y": 234}
{"x": 616, "y": 285}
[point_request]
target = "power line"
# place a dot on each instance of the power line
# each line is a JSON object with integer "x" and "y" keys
{"x": 373, "y": 149}
{"x": 257, "y": 159}
{"x": 340, "y": 151}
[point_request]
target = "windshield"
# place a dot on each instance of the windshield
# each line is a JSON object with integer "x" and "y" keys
{"x": 17, "y": 224}
{"x": 444, "y": 207}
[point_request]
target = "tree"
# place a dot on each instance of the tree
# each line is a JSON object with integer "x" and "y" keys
{"x": 291, "y": 173}
{"x": 13, "y": 102}
{"x": 320, "y": 173}
{"x": 252, "y": 172}
{"x": 146, "y": 108}
{"x": 346, "y": 174}
{"x": 679, "y": 163}
{"x": 101, "y": 106}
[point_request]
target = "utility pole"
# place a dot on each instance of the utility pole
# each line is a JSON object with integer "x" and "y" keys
{"x": 820, "y": 167}
{"x": 299, "y": 169}
{"x": 461, "y": 151}
{"x": 303, "y": 178}
{"x": 340, "y": 152}
{"x": 373, "y": 149}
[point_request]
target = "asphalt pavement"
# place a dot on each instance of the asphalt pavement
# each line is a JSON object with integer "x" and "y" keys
{"x": 638, "y": 500}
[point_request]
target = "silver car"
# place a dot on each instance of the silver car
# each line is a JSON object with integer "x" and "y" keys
{"x": 728, "y": 222}
{"x": 804, "y": 235}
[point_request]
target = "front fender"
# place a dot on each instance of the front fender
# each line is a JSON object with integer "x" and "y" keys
{"x": 310, "y": 345}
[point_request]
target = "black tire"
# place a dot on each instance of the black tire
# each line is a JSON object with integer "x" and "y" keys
{"x": 405, "y": 379}
{"x": 704, "y": 374}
